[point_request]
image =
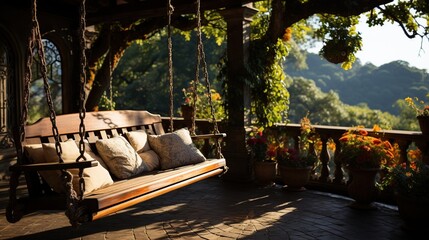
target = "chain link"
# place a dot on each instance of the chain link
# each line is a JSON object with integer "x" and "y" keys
{"x": 82, "y": 95}
{"x": 201, "y": 60}
{"x": 170, "y": 10}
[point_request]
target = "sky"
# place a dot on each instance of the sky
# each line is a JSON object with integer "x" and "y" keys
{"x": 383, "y": 44}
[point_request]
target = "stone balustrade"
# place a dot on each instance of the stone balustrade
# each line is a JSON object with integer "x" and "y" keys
{"x": 330, "y": 175}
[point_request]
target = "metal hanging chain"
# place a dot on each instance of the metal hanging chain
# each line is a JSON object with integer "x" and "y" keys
{"x": 43, "y": 71}
{"x": 111, "y": 80}
{"x": 194, "y": 95}
{"x": 12, "y": 213}
{"x": 27, "y": 84}
{"x": 74, "y": 212}
{"x": 201, "y": 59}
{"x": 82, "y": 95}
{"x": 170, "y": 10}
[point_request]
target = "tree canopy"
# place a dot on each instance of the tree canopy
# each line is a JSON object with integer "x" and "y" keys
{"x": 293, "y": 21}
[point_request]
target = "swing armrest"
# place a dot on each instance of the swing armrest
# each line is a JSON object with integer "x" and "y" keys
{"x": 53, "y": 166}
{"x": 209, "y": 136}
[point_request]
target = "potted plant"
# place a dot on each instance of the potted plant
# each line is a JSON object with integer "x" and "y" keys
{"x": 422, "y": 113}
{"x": 410, "y": 181}
{"x": 264, "y": 165}
{"x": 364, "y": 156}
{"x": 295, "y": 165}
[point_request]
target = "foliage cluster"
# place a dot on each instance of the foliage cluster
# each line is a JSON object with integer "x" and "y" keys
{"x": 267, "y": 81}
{"x": 410, "y": 179}
{"x": 305, "y": 156}
{"x": 264, "y": 72}
{"x": 141, "y": 82}
{"x": 419, "y": 106}
{"x": 203, "y": 109}
{"x": 359, "y": 150}
{"x": 290, "y": 157}
{"x": 341, "y": 40}
{"x": 257, "y": 145}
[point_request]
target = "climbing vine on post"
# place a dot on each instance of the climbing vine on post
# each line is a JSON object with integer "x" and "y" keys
{"x": 267, "y": 81}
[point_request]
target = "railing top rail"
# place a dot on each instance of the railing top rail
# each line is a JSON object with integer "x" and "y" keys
{"x": 334, "y": 131}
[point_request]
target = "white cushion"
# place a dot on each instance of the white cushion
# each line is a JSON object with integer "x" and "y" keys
{"x": 175, "y": 149}
{"x": 121, "y": 158}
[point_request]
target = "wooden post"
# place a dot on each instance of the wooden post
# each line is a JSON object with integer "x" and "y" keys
{"x": 238, "y": 31}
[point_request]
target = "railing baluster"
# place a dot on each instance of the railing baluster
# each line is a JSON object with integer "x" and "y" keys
{"x": 338, "y": 173}
{"x": 324, "y": 158}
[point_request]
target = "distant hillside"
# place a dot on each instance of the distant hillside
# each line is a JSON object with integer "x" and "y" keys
{"x": 378, "y": 87}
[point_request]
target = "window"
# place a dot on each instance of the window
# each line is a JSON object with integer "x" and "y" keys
{"x": 5, "y": 140}
{"x": 38, "y": 106}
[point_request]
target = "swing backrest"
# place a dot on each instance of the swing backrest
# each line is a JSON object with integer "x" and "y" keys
{"x": 98, "y": 125}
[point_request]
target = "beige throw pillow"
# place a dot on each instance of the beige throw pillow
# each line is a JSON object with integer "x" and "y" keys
{"x": 151, "y": 159}
{"x": 89, "y": 154}
{"x": 36, "y": 155}
{"x": 121, "y": 158}
{"x": 138, "y": 140}
{"x": 94, "y": 177}
{"x": 175, "y": 149}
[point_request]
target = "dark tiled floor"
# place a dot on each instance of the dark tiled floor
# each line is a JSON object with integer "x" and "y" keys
{"x": 214, "y": 209}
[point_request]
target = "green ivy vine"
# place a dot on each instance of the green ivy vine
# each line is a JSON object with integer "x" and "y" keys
{"x": 267, "y": 81}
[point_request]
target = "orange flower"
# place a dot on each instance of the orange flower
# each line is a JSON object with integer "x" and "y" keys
{"x": 344, "y": 139}
{"x": 376, "y": 128}
{"x": 363, "y": 132}
{"x": 358, "y": 149}
{"x": 387, "y": 145}
{"x": 288, "y": 34}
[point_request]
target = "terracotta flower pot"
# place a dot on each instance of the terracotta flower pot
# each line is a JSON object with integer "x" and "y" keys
{"x": 295, "y": 178}
{"x": 265, "y": 172}
{"x": 362, "y": 187}
{"x": 414, "y": 211}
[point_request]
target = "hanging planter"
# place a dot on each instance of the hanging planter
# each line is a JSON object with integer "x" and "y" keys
{"x": 335, "y": 51}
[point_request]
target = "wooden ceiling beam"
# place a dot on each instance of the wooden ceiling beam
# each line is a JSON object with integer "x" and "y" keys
{"x": 155, "y": 8}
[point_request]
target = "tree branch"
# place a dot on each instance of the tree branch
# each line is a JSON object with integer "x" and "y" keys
{"x": 293, "y": 11}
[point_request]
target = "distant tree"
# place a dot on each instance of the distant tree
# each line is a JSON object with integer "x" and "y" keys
{"x": 407, "y": 117}
{"x": 377, "y": 87}
{"x": 306, "y": 98}
{"x": 140, "y": 80}
{"x": 327, "y": 109}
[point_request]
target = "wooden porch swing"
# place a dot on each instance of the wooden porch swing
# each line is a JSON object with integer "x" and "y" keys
{"x": 86, "y": 130}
